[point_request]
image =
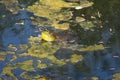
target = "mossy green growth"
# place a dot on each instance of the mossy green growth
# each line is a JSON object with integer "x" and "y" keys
{"x": 95, "y": 78}
{"x": 25, "y": 65}
{"x": 87, "y": 25}
{"x": 42, "y": 50}
{"x": 7, "y": 70}
{"x": 33, "y": 77}
{"x": 53, "y": 10}
{"x": 62, "y": 26}
{"x": 93, "y": 47}
{"x": 45, "y": 50}
{"x": 51, "y": 14}
{"x": 75, "y": 58}
{"x": 30, "y": 76}
{"x": 56, "y": 5}
{"x": 116, "y": 76}
{"x": 2, "y": 55}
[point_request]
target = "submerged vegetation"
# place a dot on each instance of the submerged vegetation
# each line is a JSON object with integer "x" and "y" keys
{"x": 59, "y": 40}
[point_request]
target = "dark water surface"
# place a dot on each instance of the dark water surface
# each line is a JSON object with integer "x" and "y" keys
{"x": 42, "y": 60}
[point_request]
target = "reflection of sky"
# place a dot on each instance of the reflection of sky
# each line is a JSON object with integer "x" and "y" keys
{"x": 4, "y": 63}
{"x": 101, "y": 63}
{"x": 19, "y": 33}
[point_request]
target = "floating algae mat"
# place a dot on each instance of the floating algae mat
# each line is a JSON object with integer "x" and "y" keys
{"x": 59, "y": 40}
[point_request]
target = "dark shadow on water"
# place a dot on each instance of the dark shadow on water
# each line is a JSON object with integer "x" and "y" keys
{"x": 101, "y": 63}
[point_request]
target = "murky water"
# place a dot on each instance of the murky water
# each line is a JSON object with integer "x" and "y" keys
{"x": 89, "y": 49}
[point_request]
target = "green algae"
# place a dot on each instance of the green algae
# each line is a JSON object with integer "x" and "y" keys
{"x": 93, "y": 47}
{"x": 87, "y": 25}
{"x": 95, "y": 78}
{"x": 116, "y": 76}
{"x": 42, "y": 50}
{"x": 2, "y": 55}
{"x": 53, "y": 11}
{"x": 7, "y": 70}
{"x": 76, "y": 58}
{"x": 33, "y": 77}
{"x": 25, "y": 65}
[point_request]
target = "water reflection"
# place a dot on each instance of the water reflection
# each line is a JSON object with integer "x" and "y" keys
{"x": 49, "y": 60}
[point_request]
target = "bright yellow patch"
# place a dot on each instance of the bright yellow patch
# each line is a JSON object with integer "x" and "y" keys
{"x": 48, "y": 36}
{"x": 43, "y": 78}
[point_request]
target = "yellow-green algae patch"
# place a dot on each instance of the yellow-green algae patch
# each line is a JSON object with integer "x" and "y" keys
{"x": 116, "y": 76}
{"x": 45, "y": 50}
{"x": 93, "y": 47}
{"x": 2, "y": 55}
{"x": 52, "y": 10}
{"x": 84, "y": 4}
{"x": 7, "y": 70}
{"x": 25, "y": 65}
{"x": 21, "y": 48}
{"x": 51, "y": 14}
{"x": 32, "y": 77}
{"x": 56, "y": 5}
{"x": 87, "y": 25}
{"x": 63, "y": 26}
{"x": 42, "y": 50}
{"x": 75, "y": 58}
{"x": 95, "y": 78}
{"x": 40, "y": 65}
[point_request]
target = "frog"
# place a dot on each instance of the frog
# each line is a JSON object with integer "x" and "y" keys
{"x": 48, "y": 35}
{"x": 63, "y": 36}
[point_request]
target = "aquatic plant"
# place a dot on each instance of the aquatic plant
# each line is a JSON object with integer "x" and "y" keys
{"x": 116, "y": 76}
{"x": 55, "y": 11}
{"x": 25, "y": 65}
{"x": 7, "y": 70}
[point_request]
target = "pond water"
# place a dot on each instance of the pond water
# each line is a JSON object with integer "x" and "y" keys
{"x": 64, "y": 40}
